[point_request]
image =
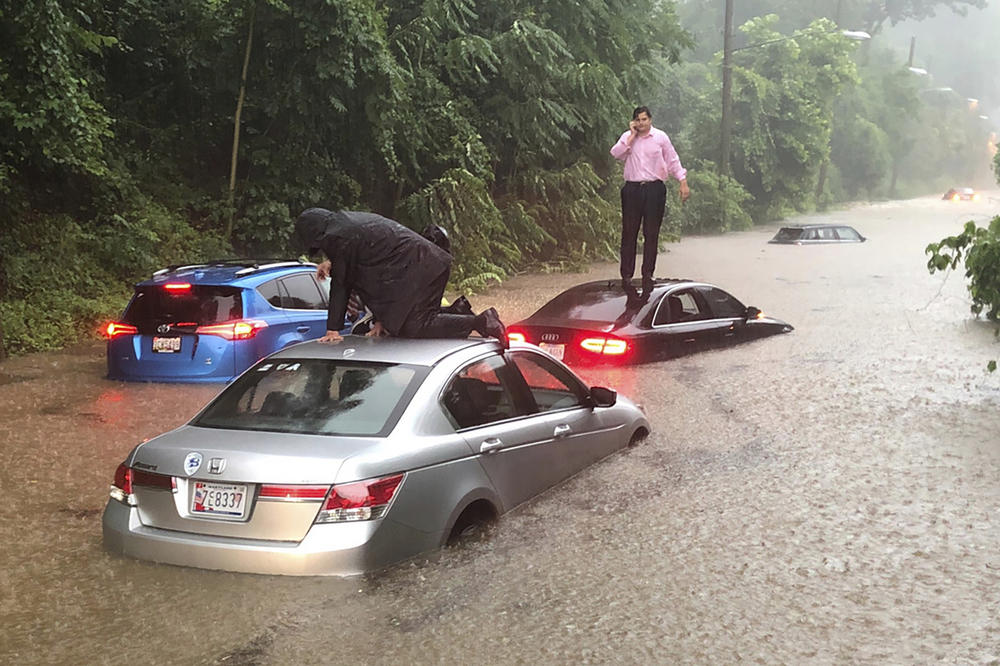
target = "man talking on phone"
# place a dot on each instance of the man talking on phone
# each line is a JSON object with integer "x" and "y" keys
{"x": 650, "y": 160}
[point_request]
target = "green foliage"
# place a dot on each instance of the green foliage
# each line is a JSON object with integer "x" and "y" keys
{"x": 979, "y": 248}
{"x": 712, "y": 208}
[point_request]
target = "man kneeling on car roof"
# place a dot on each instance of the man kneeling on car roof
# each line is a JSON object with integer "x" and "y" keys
{"x": 399, "y": 274}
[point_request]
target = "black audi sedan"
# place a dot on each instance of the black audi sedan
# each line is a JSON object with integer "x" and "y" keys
{"x": 602, "y": 322}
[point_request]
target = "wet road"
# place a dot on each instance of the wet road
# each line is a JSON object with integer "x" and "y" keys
{"x": 831, "y": 495}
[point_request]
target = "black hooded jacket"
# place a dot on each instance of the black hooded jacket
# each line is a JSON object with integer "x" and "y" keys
{"x": 391, "y": 267}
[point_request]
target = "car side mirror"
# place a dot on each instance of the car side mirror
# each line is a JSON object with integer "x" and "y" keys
{"x": 752, "y": 312}
{"x": 603, "y": 397}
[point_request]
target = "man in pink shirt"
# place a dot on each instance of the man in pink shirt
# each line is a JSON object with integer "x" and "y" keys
{"x": 650, "y": 159}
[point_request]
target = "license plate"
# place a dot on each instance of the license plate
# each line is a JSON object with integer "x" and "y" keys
{"x": 219, "y": 499}
{"x": 166, "y": 345}
{"x": 555, "y": 350}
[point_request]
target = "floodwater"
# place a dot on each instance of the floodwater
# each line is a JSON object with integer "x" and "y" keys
{"x": 827, "y": 496}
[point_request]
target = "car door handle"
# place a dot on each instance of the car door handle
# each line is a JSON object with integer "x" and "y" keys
{"x": 562, "y": 430}
{"x": 491, "y": 445}
{"x": 689, "y": 339}
{"x": 302, "y": 329}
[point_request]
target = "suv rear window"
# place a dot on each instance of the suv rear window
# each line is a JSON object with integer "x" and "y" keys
{"x": 198, "y": 305}
{"x": 788, "y": 234}
{"x": 314, "y": 396}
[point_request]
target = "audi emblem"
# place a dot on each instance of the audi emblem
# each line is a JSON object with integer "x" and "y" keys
{"x": 163, "y": 328}
{"x": 550, "y": 337}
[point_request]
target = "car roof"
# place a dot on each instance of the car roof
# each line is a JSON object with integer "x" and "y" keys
{"x": 423, "y": 351}
{"x": 236, "y": 272}
{"x": 816, "y": 226}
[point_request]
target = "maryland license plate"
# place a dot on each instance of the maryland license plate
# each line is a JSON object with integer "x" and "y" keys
{"x": 555, "y": 350}
{"x": 219, "y": 499}
{"x": 171, "y": 345}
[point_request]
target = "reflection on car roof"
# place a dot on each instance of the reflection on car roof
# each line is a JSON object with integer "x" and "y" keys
{"x": 425, "y": 352}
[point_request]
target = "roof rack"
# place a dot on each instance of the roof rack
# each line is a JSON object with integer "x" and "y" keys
{"x": 249, "y": 265}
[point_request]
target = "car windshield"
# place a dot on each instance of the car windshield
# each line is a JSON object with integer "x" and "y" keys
{"x": 315, "y": 396}
{"x": 597, "y": 305}
{"x": 788, "y": 233}
{"x": 183, "y": 303}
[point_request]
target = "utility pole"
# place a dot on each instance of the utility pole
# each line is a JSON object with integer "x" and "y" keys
{"x": 727, "y": 90}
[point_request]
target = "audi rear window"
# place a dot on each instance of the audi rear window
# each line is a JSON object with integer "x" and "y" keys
{"x": 183, "y": 304}
{"x": 599, "y": 305}
{"x": 316, "y": 397}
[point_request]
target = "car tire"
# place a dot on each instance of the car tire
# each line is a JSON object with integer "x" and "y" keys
{"x": 472, "y": 522}
{"x": 637, "y": 437}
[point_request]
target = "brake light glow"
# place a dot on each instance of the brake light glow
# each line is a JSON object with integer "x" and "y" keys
{"x": 177, "y": 286}
{"x": 954, "y": 197}
{"x": 760, "y": 315}
{"x": 516, "y": 336}
{"x": 240, "y": 329}
{"x": 605, "y": 345}
{"x": 361, "y": 500}
{"x": 114, "y": 329}
{"x": 975, "y": 197}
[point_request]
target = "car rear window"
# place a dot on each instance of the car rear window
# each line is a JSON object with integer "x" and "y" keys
{"x": 788, "y": 234}
{"x": 599, "y": 305}
{"x": 315, "y": 396}
{"x": 192, "y": 304}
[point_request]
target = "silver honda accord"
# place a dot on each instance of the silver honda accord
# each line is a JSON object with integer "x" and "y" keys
{"x": 345, "y": 458}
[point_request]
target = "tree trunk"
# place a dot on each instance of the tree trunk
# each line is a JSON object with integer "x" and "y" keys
{"x": 236, "y": 122}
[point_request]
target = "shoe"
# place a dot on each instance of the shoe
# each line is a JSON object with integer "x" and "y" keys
{"x": 647, "y": 284}
{"x": 493, "y": 327}
{"x": 460, "y": 306}
{"x": 627, "y": 284}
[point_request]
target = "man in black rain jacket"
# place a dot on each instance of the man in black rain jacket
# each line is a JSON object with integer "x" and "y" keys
{"x": 399, "y": 275}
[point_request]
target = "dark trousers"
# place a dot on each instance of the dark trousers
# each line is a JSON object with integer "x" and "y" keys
{"x": 426, "y": 319}
{"x": 642, "y": 206}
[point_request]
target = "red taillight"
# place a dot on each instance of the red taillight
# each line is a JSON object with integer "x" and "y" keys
{"x": 241, "y": 329}
{"x": 176, "y": 287}
{"x": 126, "y": 479}
{"x": 293, "y": 492}
{"x": 607, "y": 346}
{"x": 114, "y": 329}
{"x": 516, "y": 336}
{"x": 361, "y": 500}
{"x": 954, "y": 197}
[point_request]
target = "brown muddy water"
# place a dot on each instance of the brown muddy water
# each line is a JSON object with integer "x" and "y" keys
{"x": 827, "y": 496}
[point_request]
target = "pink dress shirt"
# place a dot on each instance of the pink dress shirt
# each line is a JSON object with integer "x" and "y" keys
{"x": 650, "y": 157}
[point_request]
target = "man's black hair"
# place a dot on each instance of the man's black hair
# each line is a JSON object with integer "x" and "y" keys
{"x": 641, "y": 109}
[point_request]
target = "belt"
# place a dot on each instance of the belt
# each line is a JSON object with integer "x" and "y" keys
{"x": 642, "y": 182}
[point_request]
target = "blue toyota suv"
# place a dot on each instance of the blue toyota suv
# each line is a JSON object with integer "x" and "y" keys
{"x": 210, "y": 322}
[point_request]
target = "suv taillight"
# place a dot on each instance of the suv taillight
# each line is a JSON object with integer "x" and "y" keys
{"x": 361, "y": 500}
{"x": 241, "y": 329}
{"x": 115, "y": 328}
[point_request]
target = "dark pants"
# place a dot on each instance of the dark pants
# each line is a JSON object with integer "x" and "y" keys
{"x": 426, "y": 320}
{"x": 642, "y": 206}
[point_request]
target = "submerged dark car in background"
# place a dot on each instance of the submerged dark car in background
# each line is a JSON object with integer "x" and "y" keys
{"x": 810, "y": 234}
{"x": 961, "y": 194}
{"x": 600, "y": 322}
{"x": 345, "y": 458}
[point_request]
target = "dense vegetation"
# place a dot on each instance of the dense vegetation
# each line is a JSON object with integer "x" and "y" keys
{"x": 136, "y": 133}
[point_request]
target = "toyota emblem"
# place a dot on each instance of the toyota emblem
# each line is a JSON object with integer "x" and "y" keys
{"x": 163, "y": 328}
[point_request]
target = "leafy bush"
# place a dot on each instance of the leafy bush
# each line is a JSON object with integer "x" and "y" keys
{"x": 711, "y": 208}
{"x": 979, "y": 248}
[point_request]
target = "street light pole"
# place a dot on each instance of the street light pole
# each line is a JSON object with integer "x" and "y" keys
{"x": 727, "y": 90}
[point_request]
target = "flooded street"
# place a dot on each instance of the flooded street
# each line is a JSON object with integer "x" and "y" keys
{"x": 827, "y": 496}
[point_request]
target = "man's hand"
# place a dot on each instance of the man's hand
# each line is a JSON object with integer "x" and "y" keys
{"x": 685, "y": 192}
{"x": 323, "y": 270}
{"x": 378, "y": 331}
{"x": 331, "y": 337}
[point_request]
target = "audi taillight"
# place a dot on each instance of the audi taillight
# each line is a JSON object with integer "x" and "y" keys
{"x": 127, "y": 478}
{"x": 361, "y": 500}
{"x": 115, "y": 328}
{"x": 515, "y": 336}
{"x": 241, "y": 329}
{"x": 604, "y": 345}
